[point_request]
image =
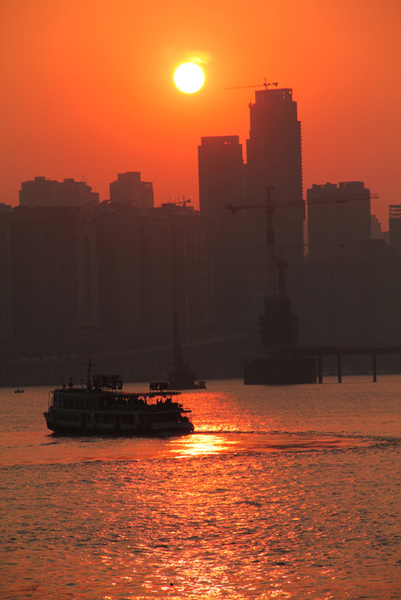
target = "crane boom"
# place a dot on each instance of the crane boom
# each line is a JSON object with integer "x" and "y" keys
{"x": 270, "y": 207}
{"x": 265, "y": 84}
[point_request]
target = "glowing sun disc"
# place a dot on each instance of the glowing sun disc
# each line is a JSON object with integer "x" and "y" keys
{"x": 189, "y": 78}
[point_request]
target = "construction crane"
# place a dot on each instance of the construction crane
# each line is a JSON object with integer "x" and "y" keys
{"x": 265, "y": 84}
{"x": 278, "y": 326}
{"x": 269, "y": 210}
{"x": 282, "y": 265}
{"x": 336, "y": 199}
{"x": 183, "y": 202}
{"x": 179, "y": 364}
{"x": 270, "y": 207}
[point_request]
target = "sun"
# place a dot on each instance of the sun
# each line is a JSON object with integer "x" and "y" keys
{"x": 189, "y": 78}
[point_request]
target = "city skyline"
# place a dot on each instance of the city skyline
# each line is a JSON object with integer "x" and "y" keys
{"x": 90, "y": 94}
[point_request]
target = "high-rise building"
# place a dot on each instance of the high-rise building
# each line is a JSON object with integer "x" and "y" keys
{"x": 221, "y": 183}
{"x": 6, "y": 295}
{"x": 189, "y": 286}
{"x": 338, "y": 220}
{"x": 54, "y": 275}
{"x": 274, "y": 170}
{"x": 376, "y": 230}
{"x": 395, "y": 229}
{"x": 45, "y": 192}
{"x": 151, "y": 263}
{"x": 128, "y": 188}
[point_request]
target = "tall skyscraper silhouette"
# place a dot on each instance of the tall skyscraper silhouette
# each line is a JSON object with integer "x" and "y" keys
{"x": 274, "y": 163}
{"x": 244, "y": 245}
{"x": 221, "y": 182}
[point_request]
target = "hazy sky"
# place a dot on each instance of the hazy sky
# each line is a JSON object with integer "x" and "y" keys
{"x": 88, "y": 88}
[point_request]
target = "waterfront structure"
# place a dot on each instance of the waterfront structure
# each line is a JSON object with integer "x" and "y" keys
{"x": 339, "y": 220}
{"x": 45, "y": 192}
{"x": 128, "y": 188}
{"x": 395, "y": 229}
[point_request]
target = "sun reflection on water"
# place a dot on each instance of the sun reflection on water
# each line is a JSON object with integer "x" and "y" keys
{"x": 206, "y": 444}
{"x": 201, "y": 445}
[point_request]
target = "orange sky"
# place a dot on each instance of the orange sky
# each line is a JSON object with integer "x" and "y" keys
{"x": 88, "y": 92}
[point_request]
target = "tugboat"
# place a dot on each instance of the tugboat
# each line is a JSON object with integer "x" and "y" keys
{"x": 180, "y": 378}
{"x": 102, "y": 408}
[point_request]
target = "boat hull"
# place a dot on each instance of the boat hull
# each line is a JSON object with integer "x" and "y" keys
{"x": 82, "y": 428}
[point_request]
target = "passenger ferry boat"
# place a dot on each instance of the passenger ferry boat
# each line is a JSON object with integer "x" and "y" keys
{"x": 102, "y": 408}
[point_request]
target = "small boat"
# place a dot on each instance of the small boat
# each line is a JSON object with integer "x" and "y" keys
{"x": 103, "y": 408}
{"x": 18, "y": 391}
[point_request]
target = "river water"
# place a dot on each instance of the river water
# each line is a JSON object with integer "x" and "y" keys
{"x": 282, "y": 492}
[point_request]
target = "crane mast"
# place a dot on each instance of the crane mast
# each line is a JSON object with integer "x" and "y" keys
{"x": 278, "y": 327}
{"x": 179, "y": 364}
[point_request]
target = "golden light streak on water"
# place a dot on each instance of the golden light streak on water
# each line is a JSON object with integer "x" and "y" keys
{"x": 287, "y": 493}
{"x": 201, "y": 445}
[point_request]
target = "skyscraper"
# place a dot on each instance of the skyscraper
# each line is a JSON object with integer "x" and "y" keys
{"x": 274, "y": 165}
{"x": 395, "y": 228}
{"x": 338, "y": 220}
{"x": 221, "y": 182}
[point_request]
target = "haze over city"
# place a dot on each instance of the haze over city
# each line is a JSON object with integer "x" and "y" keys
{"x": 200, "y": 292}
{"x": 89, "y": 92}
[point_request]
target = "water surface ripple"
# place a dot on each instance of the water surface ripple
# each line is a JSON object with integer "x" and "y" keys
{"x": 290, "y": 492}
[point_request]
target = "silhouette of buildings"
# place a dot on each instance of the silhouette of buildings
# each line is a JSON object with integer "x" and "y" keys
{"x": 128, "y": 187}
{"x": 79, "y": 276}
{"x": 274, "y": 161}
{"x": 221, "y": 182}
{"x": 100, "y": 277}
{"x": 338, "y": 220}
{"x": 151, "y": 264}
{"x": 6, "y": 274}
{"x": 45, "y": 192}
{"x": 349, "y": 291}
{"x": 271, "y": 176}
{"x": 376, "y": 230}
{"x": 395, "y": 229}
{"x": 54, "y": 277}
